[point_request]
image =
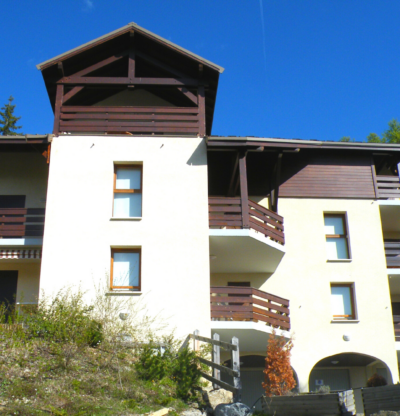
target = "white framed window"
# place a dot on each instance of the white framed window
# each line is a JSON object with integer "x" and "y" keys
{"x": 128, "y": 180}
{"x": 337, "y": 239}
{"x": 342, "y": 301}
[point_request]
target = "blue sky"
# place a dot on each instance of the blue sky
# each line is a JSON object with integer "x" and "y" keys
{"x": 309, "y": 69}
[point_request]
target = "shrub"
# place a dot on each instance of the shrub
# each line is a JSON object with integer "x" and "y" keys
{"x": 65, "y": 319}
{"x": 376, "y": 380}
{"x": 186, "y": 373}
{"x": 183, "y": 368}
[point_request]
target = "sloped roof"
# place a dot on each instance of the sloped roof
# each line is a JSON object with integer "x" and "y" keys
{"x": 119, "y": 32}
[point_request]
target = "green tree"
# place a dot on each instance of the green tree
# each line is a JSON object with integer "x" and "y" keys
{"x": 346, "y": 139}
{"x": 8, "y": 121}
{"x": 391, "y": 135}
{"x": 373, "y": 138}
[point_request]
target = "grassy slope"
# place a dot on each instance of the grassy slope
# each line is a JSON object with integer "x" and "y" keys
{"x": 45, "y": 378}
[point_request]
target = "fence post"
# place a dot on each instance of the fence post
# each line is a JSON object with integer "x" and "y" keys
{"x": 216, "y": 358}
{"x": 195, "y": 342}
{"x": 237, "y": 397}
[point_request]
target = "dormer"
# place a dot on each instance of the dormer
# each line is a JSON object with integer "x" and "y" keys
{"x": 131, "y": 81}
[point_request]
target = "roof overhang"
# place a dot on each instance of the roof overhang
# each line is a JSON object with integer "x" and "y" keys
{"x": 252, "y": 143}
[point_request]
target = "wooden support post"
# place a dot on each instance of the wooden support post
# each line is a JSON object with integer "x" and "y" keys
{"x": 244, "y": 196}
{"x": 237, "y": 397}
{"x": 373, "y": 172}
{"x": 231, "y": 189}
{"x": 132, "y": 58}
{"x": 274, "y": 206}
{"x": 57, "y": 110}
{"x": 398, "y": 170}
{"x": 216, "y": 358}
{"x": 195, "y": 342}
{"x": 202, "y": 110}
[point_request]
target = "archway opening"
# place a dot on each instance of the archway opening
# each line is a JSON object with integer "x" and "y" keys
{"x": 347, "y": 371}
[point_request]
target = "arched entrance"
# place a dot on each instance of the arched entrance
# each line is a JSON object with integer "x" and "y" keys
{"x": 347, "y": 371}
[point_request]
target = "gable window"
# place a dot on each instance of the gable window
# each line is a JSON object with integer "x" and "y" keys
{"x": 127, "y": 191}
{"x": 337, "y": 240}
{"x": 125, "y": 269}
{"x": 342, "y": 301}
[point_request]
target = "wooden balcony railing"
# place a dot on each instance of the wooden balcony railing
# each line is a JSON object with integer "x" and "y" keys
{"x": 184, "y": 120}
{"x": 392, "y": 252}
{"x": 21, "y": 222}
{"x": 396, "y": 323}
{"x": 227, "y": 213}
{"x": 234, "y": 303}
{"x": 388, "y": 186}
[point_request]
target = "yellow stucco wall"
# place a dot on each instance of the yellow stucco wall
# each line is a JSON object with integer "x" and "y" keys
{"x": 173, "y": 231}
{"x": 24, "y": 174}
{"x": 28, "y": 278}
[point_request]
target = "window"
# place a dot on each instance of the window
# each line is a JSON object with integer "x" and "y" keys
{"x": 337, "y": 241}
{"x": 342, "y": 301}
{"x": 125, "y": 269}
{"x": 127, "y": 191}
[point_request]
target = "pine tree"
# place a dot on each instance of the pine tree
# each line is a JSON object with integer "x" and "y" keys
{"x": 278, "y": 378}
{"x": 8, "y": 120}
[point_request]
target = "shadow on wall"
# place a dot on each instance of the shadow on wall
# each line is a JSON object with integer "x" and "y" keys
{"x": 199, "y": 156}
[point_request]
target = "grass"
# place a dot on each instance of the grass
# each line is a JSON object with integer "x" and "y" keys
{"x": 49, "y": 364}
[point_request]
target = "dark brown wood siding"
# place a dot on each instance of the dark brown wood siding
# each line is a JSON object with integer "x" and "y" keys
{"x": 327, "y": 176}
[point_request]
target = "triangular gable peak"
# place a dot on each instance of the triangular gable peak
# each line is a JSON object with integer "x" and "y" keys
{"x": 131, "y": 81}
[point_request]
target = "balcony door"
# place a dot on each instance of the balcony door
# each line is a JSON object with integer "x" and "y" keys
{"x": 8, "y": 286}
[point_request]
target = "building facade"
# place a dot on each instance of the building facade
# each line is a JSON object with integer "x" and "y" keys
{"x": 231, "y": 235}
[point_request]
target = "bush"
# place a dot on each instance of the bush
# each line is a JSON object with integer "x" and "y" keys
{"x": 65, "y": 319}
{"x": 183, "y": 368}
{"x": 186, "y": 374}
{"x": 376, "y": 380}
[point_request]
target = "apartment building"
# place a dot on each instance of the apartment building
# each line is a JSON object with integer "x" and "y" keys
{"x": 230, "y": 235}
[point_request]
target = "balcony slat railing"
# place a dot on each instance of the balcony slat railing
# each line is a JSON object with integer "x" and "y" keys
{"x": 185, "y": 120}
{"x": 392, "y": 252}
{"x": 396, "y": 323}
{"x": 388, "y": 186}
{"x": 227, "y": 213}
{"x": 21, "y": 222}
{"x": 234, "y": 303}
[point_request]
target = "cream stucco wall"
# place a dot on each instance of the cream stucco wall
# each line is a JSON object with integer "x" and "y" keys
{"x": 24, "y": 174}
{"x": 304, "y": 277}
{"x": 28, "y": 278}
{"x": 172, "y": 234}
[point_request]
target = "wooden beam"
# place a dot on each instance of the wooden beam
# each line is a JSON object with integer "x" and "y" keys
{"x": 188, "y": 94}
{"x": 237, "y": 397}
{"x": 57, "y": 111}
{"x": 235, "y": 166}
{"x": 161, "y": 65}
{"x": 244, "y": 196}
{"x": 71, "y": 93}
{"x": 78, "y": 80}
{"x": 202, "y": 111}
{"x": 99, "y": 65}
{"x": 60, "y": 68}
{"x": 373, "y": 173}
{"x": 132, "y": 62}
{"x": 277, "y": 182}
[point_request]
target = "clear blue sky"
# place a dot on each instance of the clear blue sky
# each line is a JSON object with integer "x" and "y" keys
{"x": 318, "y": 69}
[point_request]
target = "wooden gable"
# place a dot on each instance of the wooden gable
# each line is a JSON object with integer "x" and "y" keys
{"x": 131, "y": 81}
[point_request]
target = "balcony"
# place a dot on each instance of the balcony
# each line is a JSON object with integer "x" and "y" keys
{"x": 392, "y": 253}
{"x": 247, "y": 238}
{"x": 135, "y": 120}
{"x": 396, "y": 323}
{"x": 248, "y": 313}
{"x": 21, "y": 226}
{"x": 387, "y": 187}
